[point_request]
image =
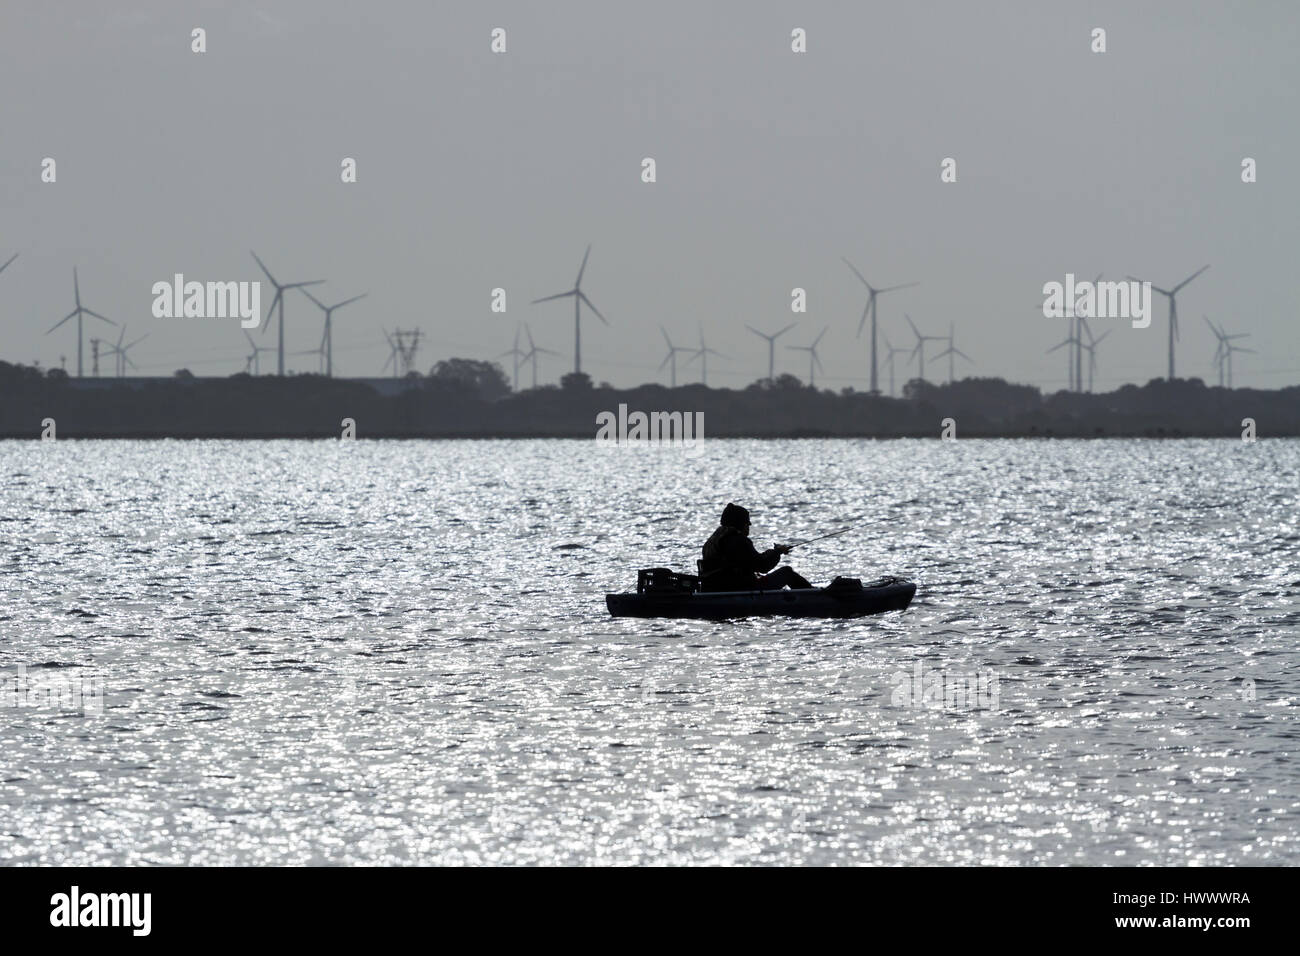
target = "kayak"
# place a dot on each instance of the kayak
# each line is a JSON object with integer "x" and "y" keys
{"x": 844, "y": 597}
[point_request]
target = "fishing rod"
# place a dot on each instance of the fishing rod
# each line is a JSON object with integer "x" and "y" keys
{"x": 820, "y": 537}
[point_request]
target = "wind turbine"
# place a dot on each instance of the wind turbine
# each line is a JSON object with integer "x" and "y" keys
{"x": 812, "y": 356}
{"x": 1223, "y": 354}
{"x": 253, "y": 362}
{"x": 1081, "y": 326}
{"x": 703, "y": 353}
{"x": 534, "y": 351}
{"x": 279, "y": 299}
{"x": 75, "y": 313}
{"x": 327, "y": 340}
{"x": 579, "y": 298}
{"x": 122, "y": 360}
{"x": 920, "y": 344}
{"x": 1228, "y": 356}
{"x": 1173, "y": 311}
{"x": 892, "y": 351}
{"x": 952, "y": 352}
{"x": 872, "y": 292}
{"x": 771, "y": 345}
{"x": 1076, "y": 325}
{"x": 671, "y": 358}
{"x": 1072, "y": 340}
{"x": 1092, "y": 351}
{"x": 518, "y": 354}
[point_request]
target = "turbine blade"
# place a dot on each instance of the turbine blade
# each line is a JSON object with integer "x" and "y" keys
{"x": 1191, "y": 277}
{"x": 964, "y": 355}
{"x": 784, "y": 330}
{"x": 860, "y": 276}
{"x": 558, "y": 295}
{"x": 583, "y": 267}
{"x": 913, "y": 325}
{"x": 345, "y": 301}
{"x": 316, "y": 300}
{"x": 98, "y": 316}
{"x": 265, "y": 269}
{"x": 70, "y": 315}
{"x": 583, "y": 297}
{"x": 6, "y": 265}
{"x": 275, "y": 299}
{"x": 905, "y": 285}
{"x": 666, "y": 338}
{"x": 863, "y": 321}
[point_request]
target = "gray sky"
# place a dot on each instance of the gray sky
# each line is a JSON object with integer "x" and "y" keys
{"x": 479, "y": 170}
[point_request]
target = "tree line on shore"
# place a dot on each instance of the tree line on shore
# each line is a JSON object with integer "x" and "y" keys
{"x": 472, "y": 399}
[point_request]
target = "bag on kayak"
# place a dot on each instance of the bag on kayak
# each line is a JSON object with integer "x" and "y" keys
{"x": 665, "y": 581}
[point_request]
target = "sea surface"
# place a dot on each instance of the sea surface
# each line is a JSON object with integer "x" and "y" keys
{"x": 398, "y": 652}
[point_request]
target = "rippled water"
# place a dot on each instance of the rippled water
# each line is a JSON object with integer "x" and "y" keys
{"x": 398, "y": 652}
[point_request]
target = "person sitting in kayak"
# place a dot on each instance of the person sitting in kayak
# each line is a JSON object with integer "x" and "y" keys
{"x": 732, "y": 563}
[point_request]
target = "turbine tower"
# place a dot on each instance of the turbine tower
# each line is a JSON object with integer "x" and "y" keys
{"x": 771, "y": 345}
{"x": 518, "y": 355}
{"x": 121, "y": 359}
{"x": 280, "y": 290}
{"x": 889, "y": 357}
{"x": 671, "y": 358}
{"x": 703, "y": 353}
{"x": 327, "y": 340}
{"x": 919, "y": 350}
{"x": 872, "y": 292}
{"x": 812, "y": 356}
{"x": 1092, "y": 352}
{"x": 253, "y": 362}
{"x": 579, "y": 299}
{"x": 76, "y": 313}
{"x": 1173, "y": 311}
{"x": 1223, "y": 354}
{"x": 1072, "y": 340}
{"x": 534, "y": 351}
{"x": 952, "y": 352}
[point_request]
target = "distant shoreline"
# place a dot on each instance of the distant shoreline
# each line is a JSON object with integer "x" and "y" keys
{"x": 467, "y": 399}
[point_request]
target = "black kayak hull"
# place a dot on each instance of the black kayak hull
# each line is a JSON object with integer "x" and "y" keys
{"x": 891, "y": 594}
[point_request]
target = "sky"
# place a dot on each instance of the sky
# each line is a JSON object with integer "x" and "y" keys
{"x": 478, "y": 170}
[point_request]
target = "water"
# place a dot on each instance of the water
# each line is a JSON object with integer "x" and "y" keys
{"x": 398, "y": 652}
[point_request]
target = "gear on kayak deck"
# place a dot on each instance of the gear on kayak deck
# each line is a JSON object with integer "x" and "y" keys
{"x": 662, "y": 592}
